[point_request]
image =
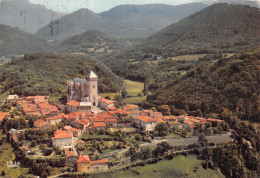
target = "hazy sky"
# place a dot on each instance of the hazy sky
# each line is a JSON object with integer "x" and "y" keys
{"x": 100, "y": 5}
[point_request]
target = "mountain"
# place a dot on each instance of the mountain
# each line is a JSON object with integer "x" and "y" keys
{"x": 47, "y": 74}
{"x": 127, "y": 20}
{"x": 252, "y": 3}
{"x": 26, "y": 16}
{"x": 145, "y": 20}
{"x": 92, "y": 43}
{"x": 218, "y": 28}
{"x": 14, "y": 41}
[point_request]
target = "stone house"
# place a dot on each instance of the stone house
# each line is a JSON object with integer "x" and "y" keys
{"x": 175, "y": 124}
{"x": 62, "y": 138}
{"x": 85, "y": 165}
{"x": 54, "y": 120}
{"x": 12, "y": 98}
{"x": 106, "y": 104}
{"x": 108, "y": 122}
{"x": 76, "y": 132}
{"x": 71, "y": 159}
{"x": 145, "y": 122}
{"x": 96, "y": 126}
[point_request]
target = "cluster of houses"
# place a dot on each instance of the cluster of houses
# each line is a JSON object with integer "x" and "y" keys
{"x": 82, "y": 120}
{"x": 86, "y": 112}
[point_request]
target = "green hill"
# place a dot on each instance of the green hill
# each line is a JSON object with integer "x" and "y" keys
{"x": 47, "y": 74}
{"x": 230, "y": 83}
{"x": 14, "y": 41}
{"x": 220, "y": 28}
{"x": 92, "y": 43}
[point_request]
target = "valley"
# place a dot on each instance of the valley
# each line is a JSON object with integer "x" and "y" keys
{"x": 136, "y": 90}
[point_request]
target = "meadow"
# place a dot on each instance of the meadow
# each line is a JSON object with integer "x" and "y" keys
{"x": 134, "y": 92}
{"x": 179, "y": 166}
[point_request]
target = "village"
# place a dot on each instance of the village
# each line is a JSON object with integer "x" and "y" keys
{"x": 90, "y": 131}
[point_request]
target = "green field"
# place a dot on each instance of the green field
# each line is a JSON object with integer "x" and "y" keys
{"x": 180, "y": 166}
{"x": 111, "y": 95}
{"x": 133, "y": 89}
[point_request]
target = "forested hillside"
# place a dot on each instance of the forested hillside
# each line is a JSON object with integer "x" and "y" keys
{"x": 92, "y": 43}
{"x": 47, "y": 74}
{"x": 209, "y": 87}
{"x": 14, "y": 41}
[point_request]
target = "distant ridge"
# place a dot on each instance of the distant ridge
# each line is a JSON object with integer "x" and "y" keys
{"x": 14, "y": 41}
{"x": 91, "y": 42}
{"x": 126, "y": 20}
{"x": 218, "y": 27}
{"x": 26, "y": 16}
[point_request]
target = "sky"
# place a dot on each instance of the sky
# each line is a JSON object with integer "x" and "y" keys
{"x": 100, "y": 5}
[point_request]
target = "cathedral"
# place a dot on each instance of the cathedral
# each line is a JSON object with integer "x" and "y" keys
{"x": 84, "y": 90}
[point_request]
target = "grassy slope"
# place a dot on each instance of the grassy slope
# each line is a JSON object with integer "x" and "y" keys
{"x": 133, "y": 89}
{"x": 178, "y": 167}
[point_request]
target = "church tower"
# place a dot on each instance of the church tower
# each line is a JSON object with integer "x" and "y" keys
{"x": 92, "y": 87}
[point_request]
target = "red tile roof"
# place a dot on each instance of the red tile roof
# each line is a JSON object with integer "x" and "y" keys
{"x": 112, "y": 108}
{"x": 70, "y": 154}
{"x": 106, "y": 101}
{"x": 80, "y": 141}
{"x": 146, "y": 119}
{"x": 214, "y": 120}
{"x": 173, "y": 123}
{"x": 158, "y": 119}
{"x": 98, "y": 124}
{"x": 74, "y": 115}
{"x": 99, "y": 161}
{"x": 105, "y": 120}
{"x": 83, "y": 159}
{"x": 43, "y": 124}
{"x": 24, "y": 148}
{"x": 73, "y": 103}
{"x": 62, "y": 134}
{"x": 3, "y": 115}
{"x": 60, "y": 116}
{"x": 195, "y": 121}
{"x": 71, "y": 129}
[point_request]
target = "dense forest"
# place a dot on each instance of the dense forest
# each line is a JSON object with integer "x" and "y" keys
{"x": 231, "y": 83}
{"x": 47, "y": 74}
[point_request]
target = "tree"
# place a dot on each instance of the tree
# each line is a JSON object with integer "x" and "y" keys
{"x": 184, "y": 133}
{"x": 202, "y": 138}
{"x": 165, "y": 109}
{"x": 124, "y": 93}
{"x": 108, "y": 98}
{"x": 3, "y": 173}
{"x": 119, "y": 99}
{"x": 44, "y": 174}
{"x": 195, "y": 132}
{"x": 198, "y": 113}
{"x": 161, "y": 129}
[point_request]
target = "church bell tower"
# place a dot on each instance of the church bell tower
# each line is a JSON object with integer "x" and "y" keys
{"x": 92, "y": 85}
